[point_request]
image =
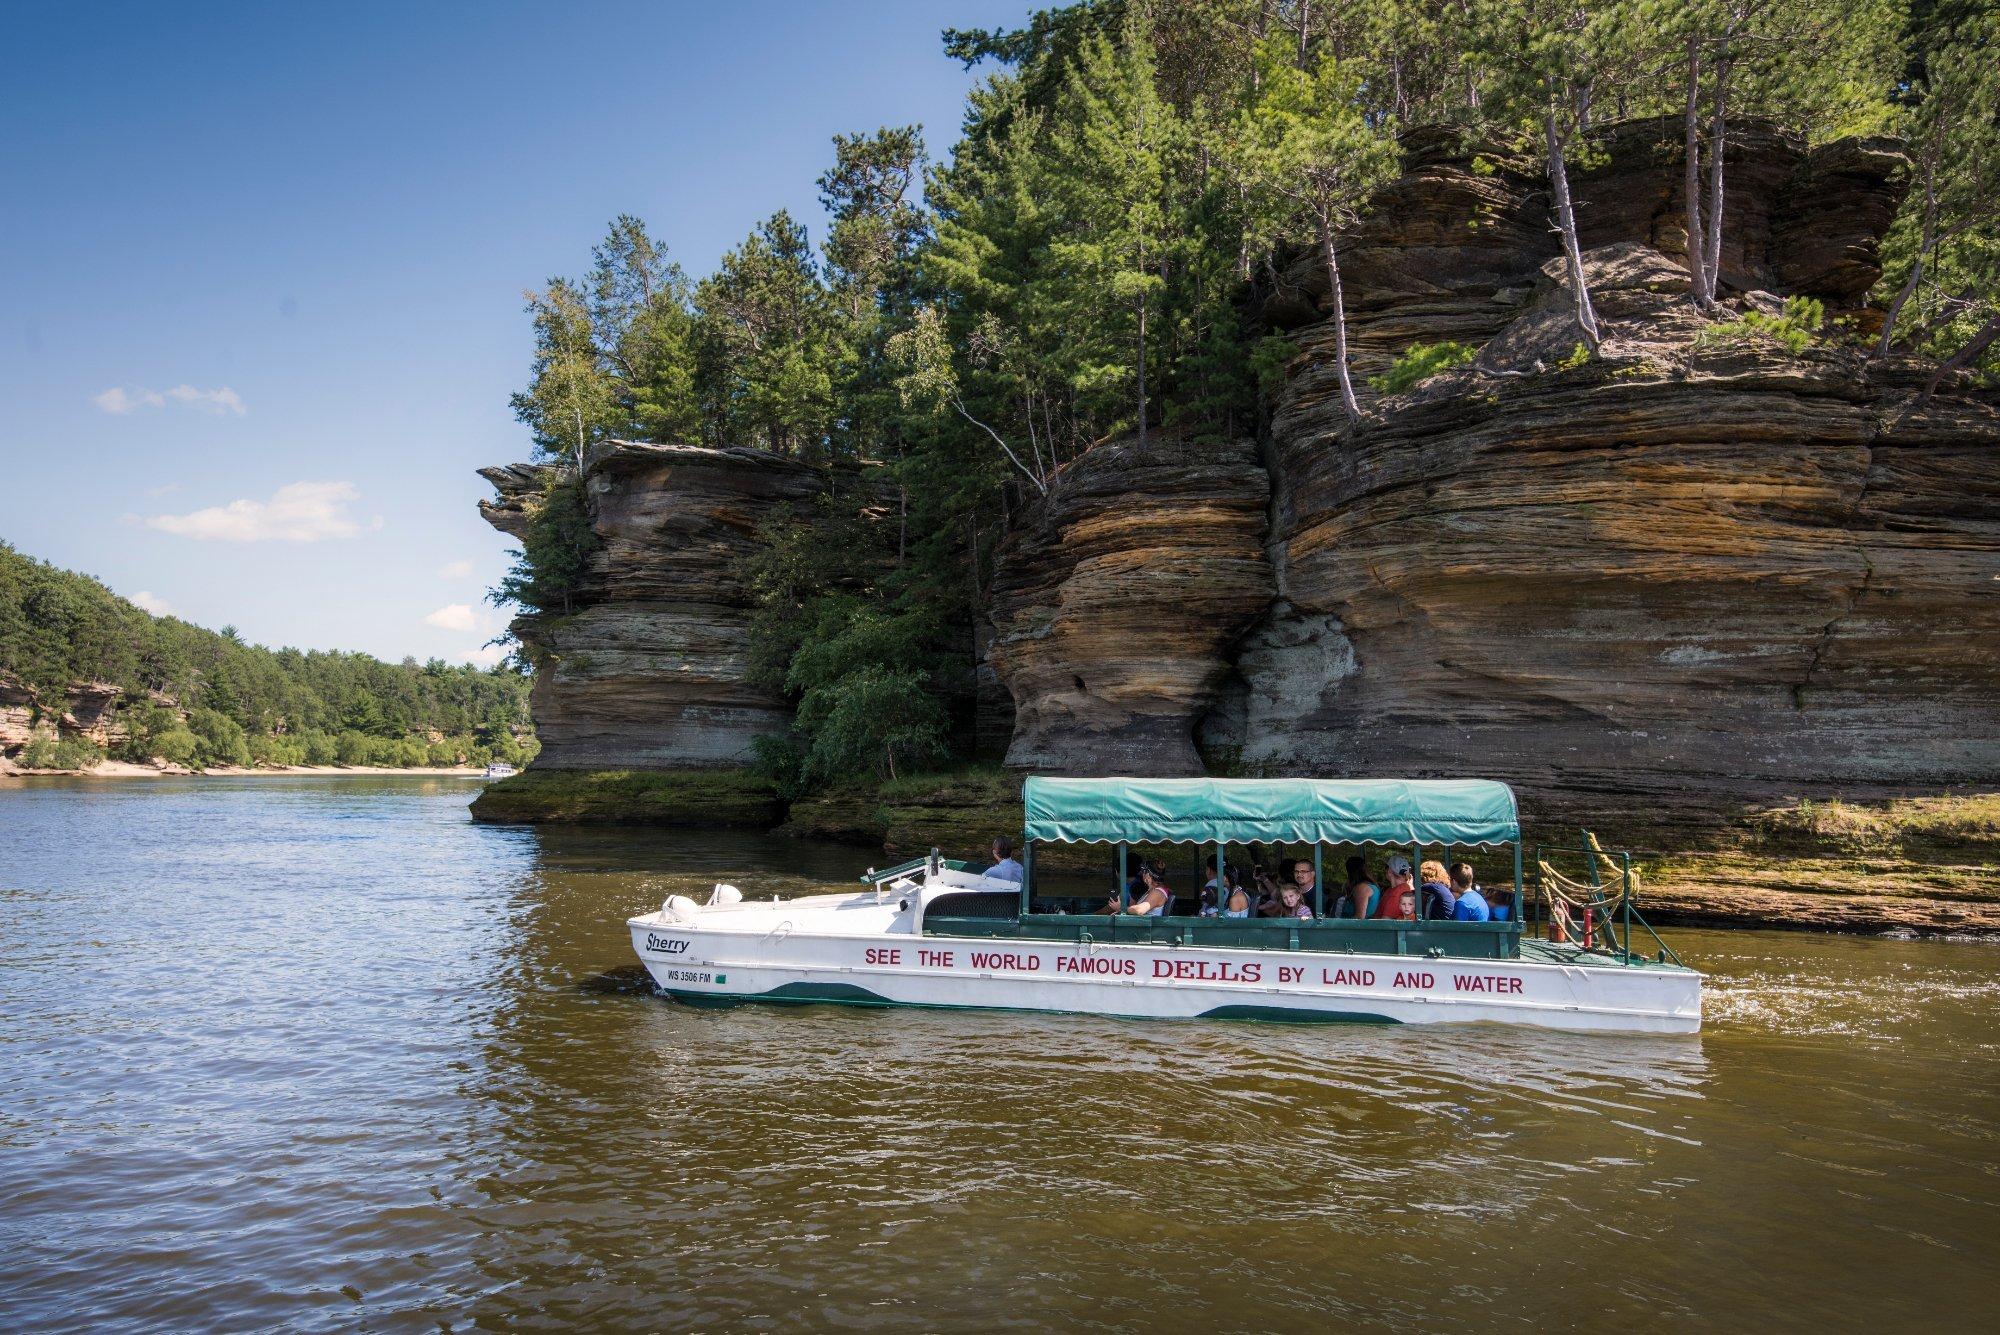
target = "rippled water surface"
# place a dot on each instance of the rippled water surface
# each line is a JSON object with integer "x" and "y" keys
{"x": 318, "y": 1053}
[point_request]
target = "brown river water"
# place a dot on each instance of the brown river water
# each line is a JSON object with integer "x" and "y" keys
{"x": 320, "y": 1054}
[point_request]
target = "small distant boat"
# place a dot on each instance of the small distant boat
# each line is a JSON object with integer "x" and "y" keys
{"x": 500, "y": 770}
{"x": 935, "y": 933}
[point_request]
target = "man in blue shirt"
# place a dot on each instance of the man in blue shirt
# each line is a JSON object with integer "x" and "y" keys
{"x": 1470, "y": 905}
{"x": 1004, "y": 867}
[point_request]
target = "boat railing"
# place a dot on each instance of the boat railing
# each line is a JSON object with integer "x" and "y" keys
{"x": 874, "y": 877}
{"x": 1594, "y": 912}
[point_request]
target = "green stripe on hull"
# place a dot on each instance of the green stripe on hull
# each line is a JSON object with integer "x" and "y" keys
{"x": 1294, "y": 1015}
{"x": 847, "y": 994}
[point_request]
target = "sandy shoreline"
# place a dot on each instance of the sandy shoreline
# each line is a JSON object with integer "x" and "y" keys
{"x": 125, "y": 769}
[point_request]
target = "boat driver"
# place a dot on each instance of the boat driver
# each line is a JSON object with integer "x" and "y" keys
{"x": 1005, "y": 866}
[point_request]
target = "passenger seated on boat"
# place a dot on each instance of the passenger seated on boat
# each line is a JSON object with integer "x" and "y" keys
{"x": 1439, "y": 901}
{"x": 1005, "y": 866}
{"x": 1291, "y": 904}
{"x": 1209, "y": 902}
{"x": 1154, "y": 900}
{"x": 1400, "y": 905}
{"x": 1150, "y": 898}
{"x": 1399, "y": 882}
{"x": 1470, "y": 905}
{"x": 1239, "y": 904}
{"x": 1361, "y": 896}
{"x": 1500, "y": 901}
{"x": 1264, "y": 887}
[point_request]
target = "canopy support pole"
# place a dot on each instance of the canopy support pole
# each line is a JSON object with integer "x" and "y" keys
{"x": 1319, "y": 887}
{"x": 1027, "y": 873}
{"x": 1124, "y": 880}
{"x": 1520, "y": 899}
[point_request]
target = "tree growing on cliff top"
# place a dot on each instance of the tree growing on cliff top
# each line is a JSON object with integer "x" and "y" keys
{"x": 1309, "y": 156}
{"x": 1545, "y": 62}
{"x": 644, "y": 330}
{"x": 614, "y": 354}
{"x": 1822, "y": 67}
{"x": 571, "y": 400}
{"x": 1942, "y": 259}
{"x": 765, "y": 355}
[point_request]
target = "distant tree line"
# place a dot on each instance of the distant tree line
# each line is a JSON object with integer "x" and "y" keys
{"x": 201, "y": 697}
{"x": 1078, "y": 270}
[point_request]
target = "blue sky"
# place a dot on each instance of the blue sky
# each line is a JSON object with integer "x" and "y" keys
{"x": 263, "y": 265}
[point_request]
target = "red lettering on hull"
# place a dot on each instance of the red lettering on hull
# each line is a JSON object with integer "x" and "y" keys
{"x": 1349, "y": 978}
{"x": 1416, "y": 980}
{"x": 1203, "y": 971}
{"x": 1096, "y": 964}
{"x": 986, "y": 959}
{"x": 1484, "y": 983}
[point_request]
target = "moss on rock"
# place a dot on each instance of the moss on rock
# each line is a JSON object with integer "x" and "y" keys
{"x": 731, "y": 798}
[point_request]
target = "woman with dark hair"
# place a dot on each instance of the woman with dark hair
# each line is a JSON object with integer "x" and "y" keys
{"x": 1362, "y": 895}
{"x": 1151, "y": 900}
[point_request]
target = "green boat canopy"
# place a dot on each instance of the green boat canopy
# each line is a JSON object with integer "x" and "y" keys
{"x": 1401, "y": 812}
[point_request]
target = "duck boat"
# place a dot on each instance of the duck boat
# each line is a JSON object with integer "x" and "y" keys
{"x": 938, "y": 933}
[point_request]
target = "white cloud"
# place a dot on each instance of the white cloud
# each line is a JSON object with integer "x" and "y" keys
{"x": 152, "y": 602}
{"x": 453, "y": 616}
{"x": 300, "y": 512}
{"x": 123, "y": 399}
{"x": 455, "y": 570}
{"x": 221, "y": 402}
{"x": 486, "y": 655}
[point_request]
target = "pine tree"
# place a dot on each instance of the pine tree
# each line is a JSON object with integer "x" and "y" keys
{"x": 764, "y": 356}
{"x": 1108, "y": 141}
{"x": 1821, "y": 67}
{"x": 1942, "y": 259}
{"x": 645, "y": 332}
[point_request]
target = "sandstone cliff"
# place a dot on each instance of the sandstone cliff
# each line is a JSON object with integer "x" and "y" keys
{"x": 651, "y": 669}
{"x": 1724, "y": 566}
{"x": 1118, "y": 597}
{"x": 85, "y": 710}
{"x": 1698, "y": 562}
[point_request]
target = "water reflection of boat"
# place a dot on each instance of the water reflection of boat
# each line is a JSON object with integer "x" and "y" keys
{"x": 939, "y": 934}
{"x": 499, "y": 769}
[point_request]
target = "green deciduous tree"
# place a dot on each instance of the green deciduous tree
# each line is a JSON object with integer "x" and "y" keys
{"x": 571, "y": 400}
{"x": 1310, "y": 154}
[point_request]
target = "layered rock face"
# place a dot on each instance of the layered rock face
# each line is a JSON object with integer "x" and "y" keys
{"x": 1697, "y": 562}
{"x": 1747, "y": 570}
{"x": 86, "y": 709}
{"x": 1454, "y": 248}
{"x": 1117, "y": 598}
{"x": 650, "y": 671}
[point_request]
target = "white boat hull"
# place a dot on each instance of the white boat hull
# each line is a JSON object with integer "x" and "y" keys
{"x": 861, "y": 950}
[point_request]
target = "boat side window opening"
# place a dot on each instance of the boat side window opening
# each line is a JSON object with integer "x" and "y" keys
{"x": 1154, "y": 860}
